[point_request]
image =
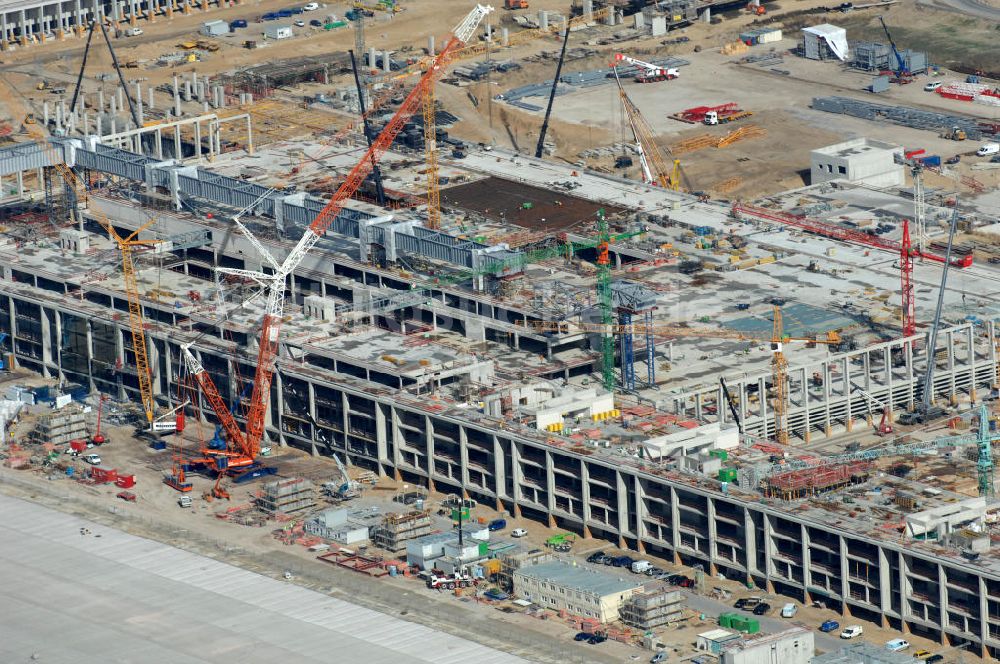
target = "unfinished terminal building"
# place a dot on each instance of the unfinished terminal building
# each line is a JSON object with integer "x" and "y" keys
{"x": 553, "y": 346}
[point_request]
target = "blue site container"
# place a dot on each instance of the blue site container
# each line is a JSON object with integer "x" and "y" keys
{"x": 934, "y": 160}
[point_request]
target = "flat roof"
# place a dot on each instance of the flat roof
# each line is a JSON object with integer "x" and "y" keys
{"x": 579, "y": 578}
{"x": 719, "y": 635}
{"x": 158, "y": 604}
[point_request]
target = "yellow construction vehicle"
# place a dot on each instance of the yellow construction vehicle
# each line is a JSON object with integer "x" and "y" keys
{"x": 956, "y": 134}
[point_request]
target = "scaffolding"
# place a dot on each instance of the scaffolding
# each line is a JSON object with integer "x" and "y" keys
{"x": 808, "y": 481}
{"x": 651, "y": 610}
{"x": 287, "y": 496}
{"x": 393, "y": 533}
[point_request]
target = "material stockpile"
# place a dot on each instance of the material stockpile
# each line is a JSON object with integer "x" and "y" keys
{"x": 977, "y": 92}
{"x": 798, "y": 483}
{"x": 900, "y": 115}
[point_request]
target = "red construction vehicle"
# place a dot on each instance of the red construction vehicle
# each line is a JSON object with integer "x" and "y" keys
{"x": 515, "y": 4}
{"x": 450, "y": 581}
{"x": 97, "y": 438}
{"x": 647, "y": 72}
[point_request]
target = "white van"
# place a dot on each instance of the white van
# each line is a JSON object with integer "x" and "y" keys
{"x": 988, "y": 149}
{"x": 789, "y": 610}
{"x": 851, "y": 632}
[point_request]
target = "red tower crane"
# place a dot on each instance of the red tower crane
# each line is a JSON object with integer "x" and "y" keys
{"x": 906, "y": 278}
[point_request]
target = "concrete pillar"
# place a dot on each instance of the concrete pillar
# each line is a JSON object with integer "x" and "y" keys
{"x": 121, "y": 99}
{"x": 504, "y": 36}
{"x": 139, "y": 112}
{"x": 588, "y": 11}
{"x": 371, "y": 58}
{"x": 565, "y": 27}
{"x": 611, "y": 17}
{"x": 151, "y": 103}
{"x": 24, "y": 28}
{"x": 45, "y": 114}
{"x": 640, "y": 20}
{"x": 543, "y": 19}
{"x": 187, "y": 90}
{"x": 100, "y": 101}
{"x": 430, "y": 45}
{"x": 114, "y": 106}
{"x": 386, "y": 62}
{"x": 706, "y": 16}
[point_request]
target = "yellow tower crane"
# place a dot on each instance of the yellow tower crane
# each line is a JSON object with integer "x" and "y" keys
{"x": 126, "y": 245}
{"x": 430, "y": 156}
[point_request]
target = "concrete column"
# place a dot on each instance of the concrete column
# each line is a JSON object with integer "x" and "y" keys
{"x": 187, "y": 90}
{"x": 114, "y": 106}
{"x": 806, "y": 423}
{"x": 4, "y": 38}
{"x": 197, "y": 140}
{"x": 543, "y": 19}
{"x": 621, "y": 494}
{"x": 120, "y": 94}
{"x": 504, "y": 36}
{"x": 386, "y": 62}
{"x": 151, "y": 104}
{"x": 706, "y": 16}
{"x": 24, "y": 28}
{"x": 750, "y": 542}
{"x": 159, "y": 143}
{"x": 611, "y": 18}
{"x": 675, "y": 523}
{"x": 844, "y": 574}
{"x": 588, "y": 11}
{"x": 371, "y": 57}
{"x": 806, "y": 564}
{"x": 178, "y": 150}
{"x": 45, "y": 113}
{"x": 430, "y": 45}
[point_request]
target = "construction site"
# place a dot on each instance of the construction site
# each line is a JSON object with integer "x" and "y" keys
{"x": 661, "y": 279}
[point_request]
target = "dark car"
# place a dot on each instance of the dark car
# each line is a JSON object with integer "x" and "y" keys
{"x": 271, "y": 16}
{"x": 761, "y": 609}
{"x": 623, "y": 561}
{"x": 934, "y": 658}
{"x": 597, "y": 638}
{"x": 675, "y": 579}
{"x": 497, "y": 524}
{"x": 284, "y": 13}
{"x": 829, "y": 626}
{"x": 582, "y": 636}
{"x": 596, "y": 557}
{"x": 496, "y": 594}
{"x": 316, "y": 23}
{"x": 740, "y": 603}
{"x": 686, "y": 583}
{"x": 296, "y": 10}
{"x": 238, "y": 23}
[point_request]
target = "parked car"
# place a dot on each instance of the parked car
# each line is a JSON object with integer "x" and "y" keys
{"x": 932, "y": 86}
{"x": 852, "y": 631}
{"x": 316, "y": 23}
{"x": 596, "y": 557}
{"x": 310, "y": 7}
{"x": 597, "y": 638}
{"x": 284, "y": 13}
{"x": 653, "y": 571}
{"x": 933, "y": 659}
{"x": 300, "y": 24}
{"x": 747, "y": 603}
{"x": 829, "y": 626}
{"x": 295, "y": 10}
{"x": 922, "y": 654}
{"x": 675, "y": 579}
{"x": 496, "y": 594}
{"x": 518, "y": 532}
{"x": 789, "y": 610}
{"x": 686, "y": 583}
{"x": 497, "y": 524}
{"x": 271, "y": 16}
{"x": 582, "y": 636}
{"x": 762, "y": 609}
{"x": 93, "y": 459}
{"x": 623, "y": 561}
{"x": 130, "y": 497}
{"x": 896, "y": 645}
{"x": 658, "y": 658}
{"x": 237, "y": 24}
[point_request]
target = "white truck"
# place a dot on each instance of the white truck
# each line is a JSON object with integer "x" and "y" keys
{"x": 640, "y": 566}
{"x": 450, "y": 581}
{"x": 133, "y": 32}
{"x": 987, "y": 149}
